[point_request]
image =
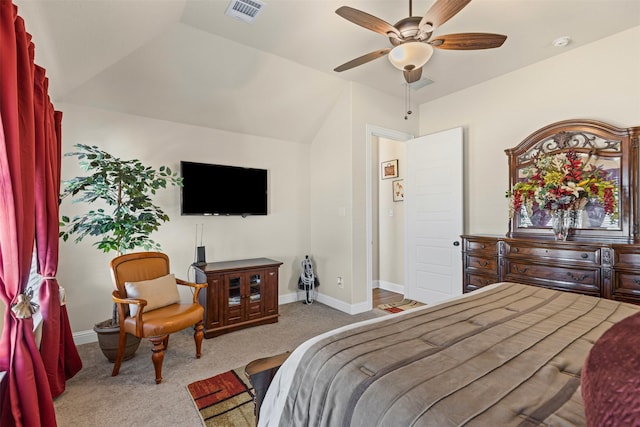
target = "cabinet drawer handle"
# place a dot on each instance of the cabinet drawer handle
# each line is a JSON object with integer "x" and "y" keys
{"x": 577, "y": 279}
{"x": 482, "y": 264}
{"x": 518, "y": 270}
{"x": 636, "y": 281}
{"x": 483, "y": 246}
{"x": 584, "y": 256}
{"x": 515, "y": 250}
{"x": 272, "y": 273}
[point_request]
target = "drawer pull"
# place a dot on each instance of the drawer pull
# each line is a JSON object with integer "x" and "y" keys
{"x": 515, "y": 250}
{"x": 483, "y": 264}
{"x": 577, "y": 279}
{"x": 483, "y": 246}
{"x": 636, "y": 281}
{"x": 518, "y": 270}
{"x": 584, "y": 256}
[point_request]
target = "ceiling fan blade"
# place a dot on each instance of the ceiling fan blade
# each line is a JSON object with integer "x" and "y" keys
{"x": 367, "y": 21}
{"x": 468, "y": 41}
{"x": 412, "y": 75}
{"x": 441, "y": 11}
{"x": 362, "y": 59}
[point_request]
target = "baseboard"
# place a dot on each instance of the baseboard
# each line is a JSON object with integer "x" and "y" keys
{"x": 390, "y": 286}
{"x": 85, "y": 337}
{"x": 289, "y": 298}
{"x": 326, "y": 300}
{"x": 89, "y": 336}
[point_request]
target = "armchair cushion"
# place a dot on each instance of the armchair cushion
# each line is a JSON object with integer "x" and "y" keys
{"x": 158, "y": 292}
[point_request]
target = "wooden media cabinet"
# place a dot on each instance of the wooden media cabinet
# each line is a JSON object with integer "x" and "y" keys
{"x": 241, "y": 293}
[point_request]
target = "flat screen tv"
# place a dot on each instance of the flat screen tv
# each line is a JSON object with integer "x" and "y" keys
{"x": 210, "y": 189}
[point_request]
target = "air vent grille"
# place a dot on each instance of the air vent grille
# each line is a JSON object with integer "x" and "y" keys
{"x": 420, "y": 83}
{"x": 245, "y": 10}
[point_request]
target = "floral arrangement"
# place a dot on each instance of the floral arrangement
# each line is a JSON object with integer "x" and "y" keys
{"x": 563, "y": 181}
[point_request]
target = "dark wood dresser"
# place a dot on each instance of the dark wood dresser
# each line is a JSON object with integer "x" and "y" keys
{"x": 601, "y": 256}
{"x": 607, "y": 270}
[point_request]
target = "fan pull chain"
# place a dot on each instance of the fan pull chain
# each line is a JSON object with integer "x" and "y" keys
{"x": 407, "y": 101}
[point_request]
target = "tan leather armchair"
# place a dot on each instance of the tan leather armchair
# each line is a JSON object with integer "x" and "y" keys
{"x": 155, "y": 324}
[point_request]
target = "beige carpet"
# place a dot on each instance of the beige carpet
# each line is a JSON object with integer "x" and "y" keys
{"x": 95, "y": 398}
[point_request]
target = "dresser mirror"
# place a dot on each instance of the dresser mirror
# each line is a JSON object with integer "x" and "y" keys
{"x": 613, "y": 149}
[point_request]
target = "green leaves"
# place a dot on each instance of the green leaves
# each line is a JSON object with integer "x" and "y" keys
{"x": 126, "y": 187}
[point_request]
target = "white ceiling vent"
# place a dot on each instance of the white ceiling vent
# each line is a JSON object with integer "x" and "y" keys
{"x": 245, "y": 10}
{"x": 420, "y": 83}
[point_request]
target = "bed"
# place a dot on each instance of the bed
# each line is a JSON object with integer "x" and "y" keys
{"x": 506, "y": 355}
{"x": 558, "y": 348}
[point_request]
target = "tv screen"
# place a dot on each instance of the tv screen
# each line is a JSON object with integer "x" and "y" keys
{"x": 222, "y": 190}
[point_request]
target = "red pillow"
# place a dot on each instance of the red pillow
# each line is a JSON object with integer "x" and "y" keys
{"x": 610, "y": 378}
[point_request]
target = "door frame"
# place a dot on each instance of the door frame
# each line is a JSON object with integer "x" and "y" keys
{"x": 371, "y": 132}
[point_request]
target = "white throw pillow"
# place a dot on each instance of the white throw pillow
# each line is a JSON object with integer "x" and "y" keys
{"x": 158, "y": 292}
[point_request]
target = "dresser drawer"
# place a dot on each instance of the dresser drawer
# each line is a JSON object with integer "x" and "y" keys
{"x": 485, "y": 246}
{"x": 628, "y": 257}
{"x": 475, "y": 281}
{"x": 565, "y": 278}
{"x": 626, "y": 286}
{"x": 630, "y": 281}
{"x": 587, "y": 255}
{"x": 481, "y": 263}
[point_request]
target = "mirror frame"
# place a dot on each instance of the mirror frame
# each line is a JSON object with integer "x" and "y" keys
{"x": 584, "y": 136}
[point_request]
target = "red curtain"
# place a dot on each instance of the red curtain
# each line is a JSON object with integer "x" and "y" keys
{"x": 26, "y": 122}
{"x": 59, "y": 353}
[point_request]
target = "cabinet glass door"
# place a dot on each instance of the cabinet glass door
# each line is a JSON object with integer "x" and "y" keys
{"x": 234, "y": 291}
{"x": 255, "y": 286}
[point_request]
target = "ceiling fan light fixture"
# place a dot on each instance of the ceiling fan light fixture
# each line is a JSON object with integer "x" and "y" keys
{"x": 411, "y": 55}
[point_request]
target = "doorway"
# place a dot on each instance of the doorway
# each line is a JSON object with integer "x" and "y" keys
{"x": 391, "y": 213}
{"x": 433, "y": 221}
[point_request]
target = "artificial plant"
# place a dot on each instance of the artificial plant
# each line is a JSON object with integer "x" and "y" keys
{"x": 125, "y": 187}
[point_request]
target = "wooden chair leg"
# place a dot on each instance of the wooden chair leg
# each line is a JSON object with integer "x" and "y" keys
{"x": 120, "y": 355}
{"x": 166, "y": 343}
{"x": 158, "y": 356}
{"x": 197, "y": 337}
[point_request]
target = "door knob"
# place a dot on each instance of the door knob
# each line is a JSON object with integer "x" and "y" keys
{"x": 456, "y": 243}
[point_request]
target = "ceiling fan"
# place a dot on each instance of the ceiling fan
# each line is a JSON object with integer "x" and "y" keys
{"x": 411, "y": 37}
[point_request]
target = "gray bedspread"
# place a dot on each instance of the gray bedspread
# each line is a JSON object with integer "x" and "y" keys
{"x": 510, "y": 356}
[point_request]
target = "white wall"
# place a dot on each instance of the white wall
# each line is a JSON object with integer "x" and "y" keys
{"x": 282, "y": 235}
{"x": 338, "y": 190}
{"x": 599, "y": 81}
{"x": 370, "y": 107}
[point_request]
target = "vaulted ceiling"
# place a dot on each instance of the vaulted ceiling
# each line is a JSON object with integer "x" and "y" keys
{"x": 186, "y": 61}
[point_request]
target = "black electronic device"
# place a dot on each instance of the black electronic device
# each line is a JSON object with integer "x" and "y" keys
{"x": 210, "y": 189}
{"x": 201, "y": 259}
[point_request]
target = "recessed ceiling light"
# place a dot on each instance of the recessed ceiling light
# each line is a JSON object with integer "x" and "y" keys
{"x": 561, "y": 41}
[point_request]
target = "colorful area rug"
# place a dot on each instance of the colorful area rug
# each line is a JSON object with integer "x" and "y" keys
{"x": 397, "y": 307}
{"x": 224, "y": 400}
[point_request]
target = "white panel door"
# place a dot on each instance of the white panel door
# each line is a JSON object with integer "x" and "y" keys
{"x": 434, "y": 216}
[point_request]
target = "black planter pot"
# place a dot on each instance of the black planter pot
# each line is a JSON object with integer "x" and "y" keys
{"x": 108, "y": 337}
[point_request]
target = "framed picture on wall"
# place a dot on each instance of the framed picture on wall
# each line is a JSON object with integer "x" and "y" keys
{"x": 398, "y": 190}
{"x": 389, "y": 169}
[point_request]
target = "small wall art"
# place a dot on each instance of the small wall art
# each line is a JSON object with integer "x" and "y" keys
{"x": 389, "y": 169}
{"x": 398, "y": 190}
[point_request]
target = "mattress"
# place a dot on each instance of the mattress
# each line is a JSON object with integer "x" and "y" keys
{"x": 508, "y": 355}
